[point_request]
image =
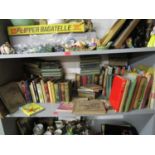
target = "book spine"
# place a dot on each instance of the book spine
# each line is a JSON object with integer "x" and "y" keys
{"x": 84, "y": 80}
{"x": 78, "y": 83}
{"x": 43, "y": 90}
{"x": 35, "y": 91}
{"x": 67, "y": 95}
{"x": 53, "y": 92}
{"x": 23, "y": 89}
{"x": 29, "y": 98}
{"x": 59, "y": 92}
{"x": 41, "y": 98}
{"x": 50, "y": 91}
{"x": 47, "y": 93}
{"x": 62, "y": 91}
{"x": 32, "y": 93}
{"x": 147, "y": 92}
{"x": 56, "y": 92}
{"x": 96, "y": 79}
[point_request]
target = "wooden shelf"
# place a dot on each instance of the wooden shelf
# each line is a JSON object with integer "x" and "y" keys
{"x": 78, "y": 53}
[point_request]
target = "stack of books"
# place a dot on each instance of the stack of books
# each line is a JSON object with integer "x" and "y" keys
{"x": 44, "y": 68}
{"x": 46, "y": 91}
{"x": 89, "y": 91}
{"x": 90, "y": 65}
{"x": 90, "y": 70}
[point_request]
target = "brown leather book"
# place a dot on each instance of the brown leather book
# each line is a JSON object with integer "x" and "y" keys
{"x": 121, "y": 39}
{"x": 147, "y": 90}
{"x": 11, "y": 97}
{"x": 135, "y": 92}
{"x": 112, "y": 32}
{"x": 91, "y": 107}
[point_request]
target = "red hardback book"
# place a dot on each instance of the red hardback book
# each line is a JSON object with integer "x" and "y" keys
{"x": 84, "y": 80}
{"x": 117, "y": 91}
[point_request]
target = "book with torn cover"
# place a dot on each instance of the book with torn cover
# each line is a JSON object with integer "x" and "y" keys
{"x": 90, "y": 107}
{"x": 11, "y": 97}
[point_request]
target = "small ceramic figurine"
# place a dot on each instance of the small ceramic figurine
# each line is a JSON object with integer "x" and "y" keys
{"x": 59, "y": 124}
{"x": 6, "y": 49}
{"x": 38, "y": 129}
{"x": 50, "y": 130}
{"x": 58, "y": 132}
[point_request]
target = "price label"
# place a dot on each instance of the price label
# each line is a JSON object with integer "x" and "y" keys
{"x": 67, "y": 53}
{"x": 55, "y": 114}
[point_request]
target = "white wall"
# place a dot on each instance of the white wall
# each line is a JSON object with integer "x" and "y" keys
{"x": 102, "y": 26}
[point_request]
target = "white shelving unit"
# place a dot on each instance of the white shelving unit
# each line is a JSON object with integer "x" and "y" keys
{"x": 143, "y": 120}
{"x": 78, "y": 53}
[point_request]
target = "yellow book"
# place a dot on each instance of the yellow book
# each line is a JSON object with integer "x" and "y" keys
{"x": 53, "y": 92}
{"x": 43, "y": 90}
{"x": 50, "y": 91}
{"x": 32, "y": 93}
{"x": 31, "y": 109}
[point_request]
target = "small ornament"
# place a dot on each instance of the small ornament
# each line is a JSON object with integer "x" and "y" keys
{"x": 6, "y": 49}
{"x": 38, "y": 129}
{"x": 58, "y": 132}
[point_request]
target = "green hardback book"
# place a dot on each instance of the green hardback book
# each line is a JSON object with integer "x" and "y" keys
{"x": 56, "y": 89}
{"x": 132, "y": 78}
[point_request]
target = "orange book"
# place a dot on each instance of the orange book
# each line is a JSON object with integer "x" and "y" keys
{"x": 117, "y": 92}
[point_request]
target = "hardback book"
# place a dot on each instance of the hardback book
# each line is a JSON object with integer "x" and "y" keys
{"x": 32, "y": 93}
{"x": 35, "y": 89}
{"x": 11, "y": 97}
{"x": 24, "y": 87}
{"x": 138, "y": 79}
{"x": 132, "y": 78}
{"x": 140, "y": 92}
{"x": 91, "y": 107}
{"x": 32, "y": 109}
{"x": 90, "y": 88}
{"x": 151, "y": 102}
{"x": 47, "y": 92}
{"x": 40, "y": 93}
{"x": 84, "y": 80}
{"x": 63, "y": 107}
{"x": 67, "y": 91}
{"x": 112, "y": 32}
{"x": 104, "y": 82}
{"x": 89, "y": 95}
{"x": 147, "y": 91}
{"x": 109, "y": 81}
{"x": 124, "y": 97}
{"x": 117, "y": 92}
{"x": 43, "y": 90}
{"x": 124, "y": 35}
{"x": 78, "y": 83}
{"x": 56, "y": 90}
{"x": 118, "y": 61}
{"x": 62, "y": 88}
{"x": 50, "y": 91}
